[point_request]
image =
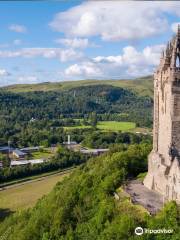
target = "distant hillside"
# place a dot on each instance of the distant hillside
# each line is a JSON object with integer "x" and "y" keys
{"x": 76, "y": 102}
{"x": 142, "y": 86}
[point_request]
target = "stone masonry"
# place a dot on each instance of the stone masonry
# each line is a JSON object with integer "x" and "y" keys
{"x": 164, "y": 160}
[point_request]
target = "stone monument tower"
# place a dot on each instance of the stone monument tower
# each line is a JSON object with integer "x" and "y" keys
{"x": 164, "y": 160}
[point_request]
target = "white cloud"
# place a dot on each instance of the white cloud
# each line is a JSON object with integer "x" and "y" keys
{"x": 174, "y": 26}
{"x": 61, "y": 54}
{"x": 74, "y": 42}
{"x": 4, "y": 73}
{"x": 131, "y": 63}
{"x": 70, "y": 55}
{"x": 27, "y": 79}
{"x": 148, "y": 56}
{"x": 18, "y": 28}
{"x": 115, "y": 20}
{"x": 85, "y": 70}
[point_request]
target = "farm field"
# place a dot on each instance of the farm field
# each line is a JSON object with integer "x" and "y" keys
{"x": 26, "y": 195}
{"x": 115, "y": 126}
{"x": 109, "y": 126}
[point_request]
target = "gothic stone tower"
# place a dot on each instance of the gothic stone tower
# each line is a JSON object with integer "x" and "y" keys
{"x": 164, "y": 160}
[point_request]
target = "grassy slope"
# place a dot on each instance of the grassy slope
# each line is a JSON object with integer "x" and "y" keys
{"x": 143, "y": 86}
{"x": 27, "y": 195}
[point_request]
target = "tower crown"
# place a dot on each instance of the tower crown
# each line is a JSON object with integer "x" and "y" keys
{"x": 171, "y": 54}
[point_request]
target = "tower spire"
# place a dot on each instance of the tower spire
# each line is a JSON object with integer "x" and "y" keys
{"x": 178, "y": 31}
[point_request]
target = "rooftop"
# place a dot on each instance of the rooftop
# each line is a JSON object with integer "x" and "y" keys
{"x": 25, "y": 162}
{"x": 94, "y": 151}
{"x": 19, "y": 152}
{"x": 4, "y": 148}
{"x": 30, "y": 148}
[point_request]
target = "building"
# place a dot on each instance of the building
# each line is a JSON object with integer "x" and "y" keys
{"x": 93, "y": 151}
{"x": 26, "y": 162}
{"x": 5, "y": 149}
{"x": 164, "y": 160}
{"x": 19, "y": 154}
{"x": 70, "y": 144}
{"x": 30, "y": 149}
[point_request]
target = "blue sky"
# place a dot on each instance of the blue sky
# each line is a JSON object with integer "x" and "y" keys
{"x": 72, "y": 40}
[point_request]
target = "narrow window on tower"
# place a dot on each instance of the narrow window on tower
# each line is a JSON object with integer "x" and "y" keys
{"x": 165, "y": 101}
{"x": 177, "y": 62}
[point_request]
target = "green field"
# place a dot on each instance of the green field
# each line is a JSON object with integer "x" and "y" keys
{"x": 24, "y": 196}
{"x": 109, "y": 126}
{"x": 46, "y": 153}
{"x": 115, "y": 126}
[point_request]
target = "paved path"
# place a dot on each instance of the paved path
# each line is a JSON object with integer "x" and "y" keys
{"x": 140, "y": 194}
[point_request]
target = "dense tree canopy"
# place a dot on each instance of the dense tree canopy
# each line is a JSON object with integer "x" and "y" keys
{"x": 98, "y": 139}
{"x": 81, "y": 100}
{"x": 37, "y": 118}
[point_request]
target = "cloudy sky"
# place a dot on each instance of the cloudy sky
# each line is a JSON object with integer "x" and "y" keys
{"x": 72, "y": 40}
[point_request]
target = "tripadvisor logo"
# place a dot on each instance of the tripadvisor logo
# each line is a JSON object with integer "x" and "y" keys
{"x": 139, "y": 231}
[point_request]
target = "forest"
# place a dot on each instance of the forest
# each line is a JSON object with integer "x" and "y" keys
{"x": 29, "y": 118}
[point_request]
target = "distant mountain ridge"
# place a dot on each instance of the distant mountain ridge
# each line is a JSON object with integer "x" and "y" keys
{"x": 142, "y": 86}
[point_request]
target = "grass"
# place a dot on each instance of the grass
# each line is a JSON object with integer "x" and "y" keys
{"x": 142, "y": 86}
{"x": 46, "y": 153}
{"x": 141, "y": 176}
{"x": 25, "y": 196}
{"x": 29, "y": 178}
{"x": 108, "y": 126}
{"x": 115, "y": 126}
{"x": 78, "y": 119}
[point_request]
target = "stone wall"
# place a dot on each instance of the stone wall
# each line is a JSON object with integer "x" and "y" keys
{"x": 164, "y": 160}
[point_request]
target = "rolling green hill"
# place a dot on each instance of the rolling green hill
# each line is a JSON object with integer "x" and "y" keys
{"x": 142, "y": 86}
{"x": 76, "y": 102}
{"x": 49, "y": 105}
